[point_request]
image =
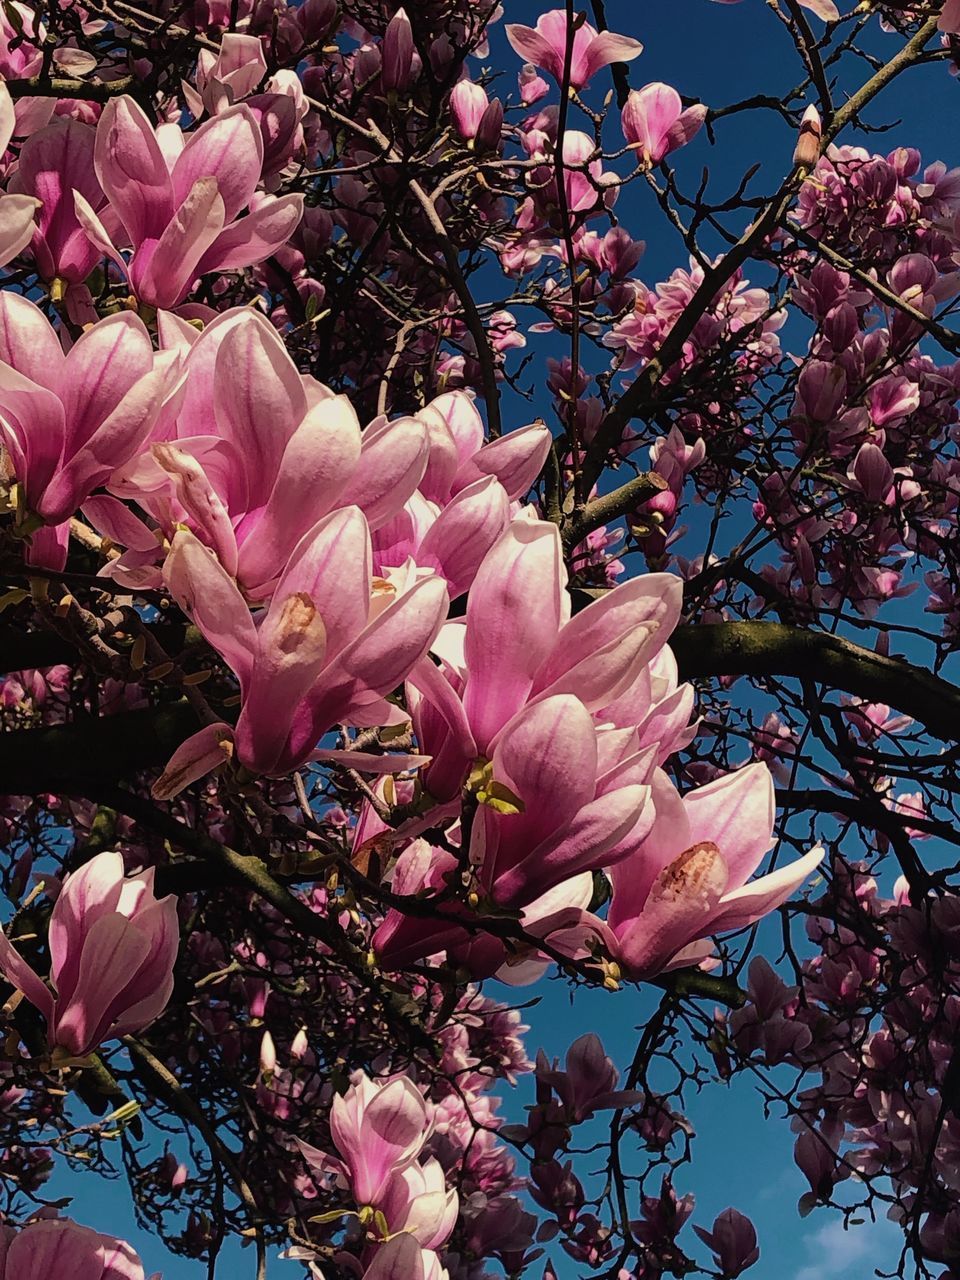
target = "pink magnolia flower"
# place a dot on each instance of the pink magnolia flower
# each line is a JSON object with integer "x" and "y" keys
{"x": 232, "y": 75}
{"x": 453, "y": 540}
{"x": 733, "y": 1240}
{"x": 16, "y": 211}
{"x": 458, "y": 455}
{"x": 589, "y": 1082}
{"x": 476, "y": 118}
{"x": 379, "y": 1128}
{"x": 690, "y": 876}
{"x": 402, "y": 1259}
{"x": 553, "y": 807}
{"x": 655, "y": 123}
{"x": 416, "y": 1200}
{"x": 545, "y": 46}
{"x": 112, "y": 950}
{"x": 21, "y": 35}
{"x": 532, "y": 86}
{"x": 67, "y": 421}
{"x": 911, "y": 804}
{"x": 519, "y": 645}
{"x": 181, "y": 200}
{"x": 54, "y": 163}
{"x": 254, "y": 453}
{"x": 333, "y": 641}
{"x": 949, "y": 20}
{"x": 229, "y": 75}
{"x": 463, "y": 502}
{"x": 57, "y": 1246}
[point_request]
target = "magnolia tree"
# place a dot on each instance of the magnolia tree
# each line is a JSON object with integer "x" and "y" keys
{"x": 355, "y": 654}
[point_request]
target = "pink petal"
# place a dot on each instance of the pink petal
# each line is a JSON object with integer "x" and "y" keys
{"x": 101, "y": 368}
{"x": 515, "y": 459}
{"x": 17, "y": 972}
{"x": 255, "y": 236}
{"x": 320, "y": 457}
{"x": 546, "y": 755}
{"x": 464, "y": 532}
{"x": 603, "y": 649}
{"x": 200, "y": 501}
{"x": 202, "y": 752}
{"x": 89, "y": 893}
{"x": 209, "y": 596}
{"x": 679, "y": 908}
{"x": 229, "y": 149}
{"x": 113, "y": 948}
{"x": 609, "y": 47}
{"x": 114, "y": 520}
{"x": 736, "y": 813}
{"x": 532, "y": 47}
{"x": 392, "y": 460}
{"x": 581, "y": 846}
{"x": 112, "y": 445}
{"x": 17, "y": 224}
{"x": 255, "y": 382}
{"x": 28, "y": 341}
{"x": 516, "y": 607}
{"x": 132, "y": 170}
{"x": 174, "y": 262}
{"x": 752, "y": 901}
{"x": 669, "y": 836}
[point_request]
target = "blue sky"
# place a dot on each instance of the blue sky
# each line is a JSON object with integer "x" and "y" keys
{"x": 716, "y": 53}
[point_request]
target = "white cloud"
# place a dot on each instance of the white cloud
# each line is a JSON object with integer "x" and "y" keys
{"x": 832, "y": 1251}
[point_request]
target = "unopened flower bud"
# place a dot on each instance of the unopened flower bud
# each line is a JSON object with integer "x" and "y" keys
{"x": 268, "y": 1055}
{"x": 807, "y": 151}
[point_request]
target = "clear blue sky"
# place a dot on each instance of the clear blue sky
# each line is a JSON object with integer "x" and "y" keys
{"x": 716, "y": 53}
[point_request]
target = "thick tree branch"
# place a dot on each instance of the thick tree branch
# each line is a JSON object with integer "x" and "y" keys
{"x": 775, "y": 649}
{"x": 68, "y": 87}
{"x": 92, "y": 749}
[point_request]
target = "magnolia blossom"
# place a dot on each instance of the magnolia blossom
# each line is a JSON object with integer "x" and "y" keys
{"x": 477, "y": 119}
{"x": 545, "y": 46}
{"x": 463, "y": 501}
{"x": 112, "y": 949}
{"x": 379, "y": 1128}
{"x": 518, "y": 644}
{"x": 181, "y": 199}
{"x": 690, "y": 876}
{"x": 55, "y": 163}
{"x": 67, "y": 421}
{"x": 589, "y": 1081}
{"x": 251, "y": 455}
{"x": 51, "y": 1247}
{"x": 332, "y": 642}
{"x": 655, "y": 123}
{"x": 550, "y": 809}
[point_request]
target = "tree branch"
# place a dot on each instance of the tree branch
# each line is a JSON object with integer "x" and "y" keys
{"x": 611, "y": 506}
{"x": 92, "y": 749}
{"x": 775, "y": 649}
